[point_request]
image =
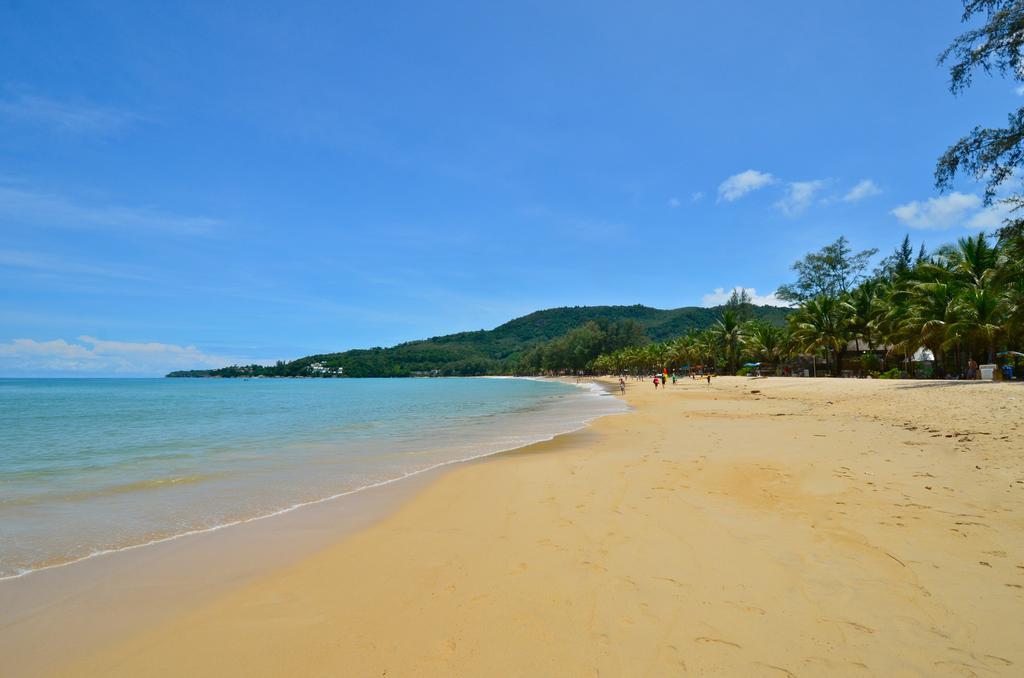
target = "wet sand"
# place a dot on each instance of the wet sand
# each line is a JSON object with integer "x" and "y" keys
{"x": 753, "y": 527}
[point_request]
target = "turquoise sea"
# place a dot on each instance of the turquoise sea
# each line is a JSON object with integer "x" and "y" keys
{"x": 89, "y": 466}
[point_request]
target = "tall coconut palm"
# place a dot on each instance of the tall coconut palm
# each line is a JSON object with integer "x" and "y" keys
{"x": 658, "y": 356}
{"x": 859, "y": 304}
{"x": 823, "y": 323}
{"x": 1013, "y": 302}
{"x": 765, "y": 341}
{"x": 979, "y": 318}
{"x": 932, "y": 311}
{"x": 681, "y": 351}
{"x": 890, "y": 313}
{"x": 728, "y": 330}
{"x": 970, "y": 260}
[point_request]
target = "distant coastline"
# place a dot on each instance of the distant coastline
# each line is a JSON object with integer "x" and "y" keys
{"x": 578, "y": 333}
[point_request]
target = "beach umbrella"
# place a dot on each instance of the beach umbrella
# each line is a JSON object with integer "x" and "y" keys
{"x": 751, "y": 364}
{"x": 1016, "y": 354}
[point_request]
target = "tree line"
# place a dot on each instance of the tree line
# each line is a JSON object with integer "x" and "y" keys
{"x": 962, "y": 302}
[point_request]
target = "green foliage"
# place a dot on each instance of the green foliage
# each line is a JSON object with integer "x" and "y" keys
{"x": 967, "y": 300}
{"x": 554, "y": 340}
{"x": 989, "y": 154}
{"x": 964, "y": 301}
{"x": 831, "y": 271}
{"x": 740, "y": 305}
{"x": 894, "y": 373}
{"x": 870, "y": 362}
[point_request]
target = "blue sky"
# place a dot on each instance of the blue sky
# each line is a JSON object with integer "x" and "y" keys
{"x": 188, "y": 185}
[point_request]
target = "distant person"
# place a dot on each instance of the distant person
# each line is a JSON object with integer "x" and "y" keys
{"x": 673, "y": 378}
{"x": 622, "y": 385}
{"x": 663, "y": 380}
{"x": 709, "y": 379}
{"x": 656, "y": 383}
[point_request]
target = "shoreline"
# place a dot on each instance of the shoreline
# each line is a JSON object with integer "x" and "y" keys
{"x": 26, "y": 598}
{"x": 750, "y": 527}
{"x": 329, "y": 498}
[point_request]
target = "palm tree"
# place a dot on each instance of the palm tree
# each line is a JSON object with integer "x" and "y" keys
{"x": 822, "y": 323}
{"x": 979, "y": 318}
{"x": 728, "y": 330}
{"x": 658, "y": 356}
{"x": 765, "y": 341}
{"x": 970, "y": 260}
{"x": 859, "y": 307}
{"x": 890, "y": 313}
{"x": 681, "y": 351}
{"x": 932, "y": 311}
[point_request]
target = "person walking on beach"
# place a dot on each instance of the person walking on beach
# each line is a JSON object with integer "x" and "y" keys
{"x": 655, "y": 383}
{"x": 622, "y": 386}
{"x": 709, "y": 379}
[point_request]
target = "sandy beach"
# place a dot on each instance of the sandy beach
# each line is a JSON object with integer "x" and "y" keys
{"x": 750, "y": 527}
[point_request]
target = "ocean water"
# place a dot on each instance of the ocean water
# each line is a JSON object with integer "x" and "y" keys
{"x": 89, "y": 466}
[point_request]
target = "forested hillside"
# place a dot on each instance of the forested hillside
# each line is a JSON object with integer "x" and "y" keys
{"x": 557, "y": 338}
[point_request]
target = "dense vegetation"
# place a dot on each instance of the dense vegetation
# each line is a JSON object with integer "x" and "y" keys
{"x": 964, "y": 301}
{"x": 553, "y": 340}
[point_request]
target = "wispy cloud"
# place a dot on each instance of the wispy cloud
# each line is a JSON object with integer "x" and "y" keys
{"x": 22, "y": 205}
{"x": 721, "y": 295}
{"x": 45, "y": 263}
{"x": 64, "y": 116}
{"x": 739, "y": 185}
{"x": 799, "y": 195}
{"x": 674, "y": 203}
{"x": 697, "y": 196}
{"x": 89, "y": 355}
{"x": 864, "y": 189}
{"x": 939, "y": 213}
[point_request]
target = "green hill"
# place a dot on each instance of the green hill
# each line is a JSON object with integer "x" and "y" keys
{"x": 497, "y": 351}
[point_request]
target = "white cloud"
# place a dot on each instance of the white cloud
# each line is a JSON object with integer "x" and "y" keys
{"x": 991, "y": 217}
{"x": 674, "y": 203}
{"x": 97, "y": 356}
{"x": 799, "y": 195}
{"x": 697, "y": 196}
{"x": 864, "y": 189}
{"x": 938, "y": 213}
{"x": 721, "y": 295}
{"x": 63, "y": 116}
{"x": 47, "y": 209}
{"x": 738, "y": 185}
{"x": 1020, "y": 91}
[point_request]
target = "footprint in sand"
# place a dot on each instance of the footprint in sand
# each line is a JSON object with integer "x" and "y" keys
{"x": 672, "y": 581}
{"x": 860, "y": 627}
{"x": 748, "y": 608}
{"x": 706, "y": 639}
{"x": 777, "y": 668}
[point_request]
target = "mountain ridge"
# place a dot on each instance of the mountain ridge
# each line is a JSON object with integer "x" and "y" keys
{"x": 494, "y": 351}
